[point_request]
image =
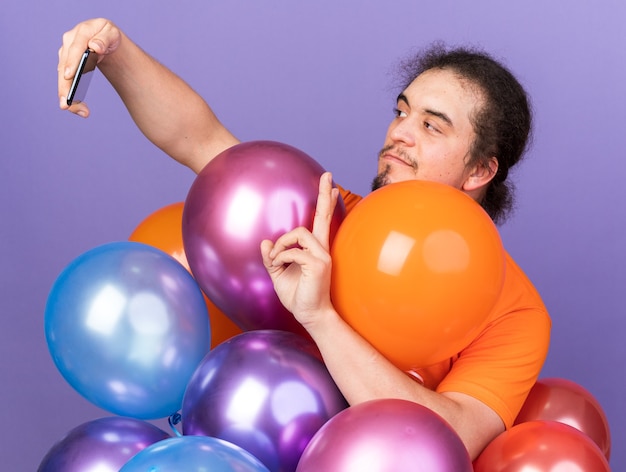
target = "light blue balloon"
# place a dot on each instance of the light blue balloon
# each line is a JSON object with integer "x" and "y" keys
{"x": 127, "y": 325}
{"x": 193, "y": 454}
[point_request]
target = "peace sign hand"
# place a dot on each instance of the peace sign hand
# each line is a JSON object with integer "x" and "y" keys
{"x": 299, "y": 262}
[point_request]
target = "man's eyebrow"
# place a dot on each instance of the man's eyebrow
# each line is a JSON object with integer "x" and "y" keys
{"x": 439, "y": 115}
{"x": 428, "y": 111}
{"x": 402, "y": 98}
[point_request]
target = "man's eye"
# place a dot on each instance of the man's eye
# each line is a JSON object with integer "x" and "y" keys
{"x": 399, "y": 113}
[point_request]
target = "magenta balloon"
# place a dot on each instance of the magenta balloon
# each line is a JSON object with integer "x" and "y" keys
{"x": 386, "y": 435}
{"x": 102, "y": 445}
{"x": 252, "y": 191}
{"x": 266, "y": 391}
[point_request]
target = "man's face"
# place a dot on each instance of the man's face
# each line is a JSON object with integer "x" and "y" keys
{"x": 431, "y": 136}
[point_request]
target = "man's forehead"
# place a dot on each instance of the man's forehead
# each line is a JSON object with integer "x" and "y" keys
{"x": 442, "y": 88}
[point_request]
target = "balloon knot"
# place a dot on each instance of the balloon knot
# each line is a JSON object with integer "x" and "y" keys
{"x": 173, "y": 421}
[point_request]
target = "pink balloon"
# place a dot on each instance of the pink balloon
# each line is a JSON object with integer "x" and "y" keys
{"x": 386, "y": 435}
{"x": 252, "y": 191}
{"x": 562, "y": 400}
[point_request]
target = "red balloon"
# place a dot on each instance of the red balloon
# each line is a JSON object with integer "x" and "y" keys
{"x": 250, "y": 192}
{"x": 386, "y": 435}
{"x": 542, "y": 446}
{"x": 556, "y": 399}
{"x": 163, "y": 229}
{"x": 417, "y": 268}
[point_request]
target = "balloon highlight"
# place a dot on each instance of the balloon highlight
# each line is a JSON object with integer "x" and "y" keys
{"x": 266, "y": 391}
{"x": 163, "y": 230}
{"x": 417, "y": 268}
{"x": 252, "y": 191}
{"x": 126, "y": 326}
{"x": 105, "y": 444}
{"x": 386, "y": 435}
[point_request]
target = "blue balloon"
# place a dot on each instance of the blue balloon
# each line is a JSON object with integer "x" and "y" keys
{"x": 193, "y": 454}
{"x": 102, "y": 445}
{"x": 126, "y": 325}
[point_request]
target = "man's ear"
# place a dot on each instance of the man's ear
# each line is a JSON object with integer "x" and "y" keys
{"x": 480, "y": 175}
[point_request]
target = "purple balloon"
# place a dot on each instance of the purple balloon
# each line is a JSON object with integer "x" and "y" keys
{"x": 386, "y": 435}
{"x": 102, "y": 445}
{"x": 266, "y": 391}
{"x": 252, "y": 191}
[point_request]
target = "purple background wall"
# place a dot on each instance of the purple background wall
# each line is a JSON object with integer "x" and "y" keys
{"x": 313, "y": 74}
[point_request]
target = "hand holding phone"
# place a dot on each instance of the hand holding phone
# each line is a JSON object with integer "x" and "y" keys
{"x": 82, "y": 78}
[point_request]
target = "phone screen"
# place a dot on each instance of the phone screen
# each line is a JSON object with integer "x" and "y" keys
{"x": 85, "y": 71}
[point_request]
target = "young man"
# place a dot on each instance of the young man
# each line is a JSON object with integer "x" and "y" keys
{"x": 462, "y": 120}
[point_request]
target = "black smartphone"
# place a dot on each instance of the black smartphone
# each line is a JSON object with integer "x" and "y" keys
{"x": 80, "y": 84}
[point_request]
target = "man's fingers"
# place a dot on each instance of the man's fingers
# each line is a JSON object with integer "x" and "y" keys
{"x": 106, "y": 40}
{"x": 276, "y": 259}
{"x": 308, "y": 262}
{"x": 80, "y": 109}
{"x": 326, "y": 202}
{"x": 266, "y": 249}
{"x": 301, "y": 238}
{"x": 101, "y": 36}
{"x": 64, "y": 82}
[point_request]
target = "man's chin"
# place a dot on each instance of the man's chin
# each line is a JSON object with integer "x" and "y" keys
{"x": 378, "y": 182}
{"x": 381, "y": 179}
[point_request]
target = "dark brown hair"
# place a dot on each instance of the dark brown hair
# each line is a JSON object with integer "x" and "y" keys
{"x": 502, "y": 126}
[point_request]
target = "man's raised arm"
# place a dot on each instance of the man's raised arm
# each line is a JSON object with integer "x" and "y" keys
{"x": 165, "y": 108}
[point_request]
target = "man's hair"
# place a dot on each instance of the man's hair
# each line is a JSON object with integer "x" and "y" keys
{"x": 502, "y": 125}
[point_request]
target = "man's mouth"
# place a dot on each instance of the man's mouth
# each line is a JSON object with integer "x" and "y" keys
{"x": 392, "y": 156}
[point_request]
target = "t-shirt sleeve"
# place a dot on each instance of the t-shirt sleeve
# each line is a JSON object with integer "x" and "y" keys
{"x": 503, "y": 363}
{"x": 349, "y": 199}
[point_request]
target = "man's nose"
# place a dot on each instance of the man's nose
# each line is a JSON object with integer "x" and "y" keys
{"x": 402, "y": 131}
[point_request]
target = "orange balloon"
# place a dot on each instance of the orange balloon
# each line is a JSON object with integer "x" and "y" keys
{"x": 555, "y": 399}
{"x": 163, "y": 230}
{"x": 541, "y": 445}
{"x": 417, "y": 268}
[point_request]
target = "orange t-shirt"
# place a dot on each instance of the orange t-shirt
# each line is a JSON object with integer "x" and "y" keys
{"x": 502, "y": 364}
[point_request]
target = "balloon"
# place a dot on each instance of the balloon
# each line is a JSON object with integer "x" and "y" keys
{"x": 163, "y": 230}
{"x": 102, "y": 445}
{"x": 250, "y": 192}
{"x": 542, "y": 445}
{"x": 266, "y": 391}
{"x": 193, "y": 454}
{"x": 386, "y": 435}
{"x": 126, "y": 326}
{"x": 417, "y": 268}
{"x": 555, "y": 399}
